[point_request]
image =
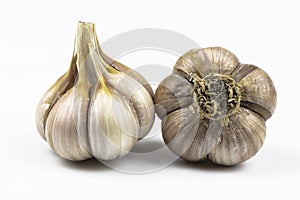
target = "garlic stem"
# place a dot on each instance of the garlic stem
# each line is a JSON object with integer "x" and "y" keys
{"x": 85, "y": 46}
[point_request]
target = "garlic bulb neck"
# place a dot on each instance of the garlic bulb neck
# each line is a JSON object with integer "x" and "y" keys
{"x": 91, "y": 65}
{"x": 217, "y": 96}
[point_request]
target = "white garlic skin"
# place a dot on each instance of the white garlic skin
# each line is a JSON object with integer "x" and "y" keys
{"x": 100, "y": 113}
{"x": 110, "y": 134}
{"x": 61, "y": 132}
{"x": 59, "y": 88}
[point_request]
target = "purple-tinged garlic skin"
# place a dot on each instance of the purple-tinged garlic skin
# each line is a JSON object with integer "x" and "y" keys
{"x": 213, "y": 107}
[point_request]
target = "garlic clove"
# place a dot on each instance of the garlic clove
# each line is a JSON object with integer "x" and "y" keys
{"x": 188, "y": 136}
{"x": 207, "y": 137}
{"x": 139, "y": 97}
{"x": 130, "y": 72}
{"x": 142, "y": 102}
{"x": 241, "y": 71}
{"x": 241, "y": 139}
{"x": 113, "y": 129}
{"x": 61, "y": 132}
{"x": 64, "y": 83}
{"x": 206, "y": 61}
{"x": 179, "y": 129}
{"x": 258, "y": 94}
{"x": 173, "y": 93}
{"x": 80, "y": 115}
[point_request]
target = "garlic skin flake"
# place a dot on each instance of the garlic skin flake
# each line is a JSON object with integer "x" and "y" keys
{"x": 99, "y": 108}
{"x": 213, "y": 107}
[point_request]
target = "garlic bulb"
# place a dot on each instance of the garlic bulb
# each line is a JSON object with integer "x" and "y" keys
{"x": 214, "y": 107}
{"x": 99, "y": 108}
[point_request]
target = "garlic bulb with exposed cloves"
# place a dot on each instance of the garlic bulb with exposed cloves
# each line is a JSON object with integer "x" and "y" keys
{"x": 99, "y": 108}
{"x": 214, "y": 107}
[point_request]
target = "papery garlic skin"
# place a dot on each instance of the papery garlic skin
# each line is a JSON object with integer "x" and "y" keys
{"x": 214, "y": 107}
{"x": 245, "y": 134}
{"x": 59, "y": 88}
{"x": 99, "y": 108}
{"x": 110, "y": 134}
{"x": 61, "y": 132}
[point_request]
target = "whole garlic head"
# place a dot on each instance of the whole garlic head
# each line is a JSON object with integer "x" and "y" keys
{"x": 99, "y": 108}
{"x": 214, "y": 107}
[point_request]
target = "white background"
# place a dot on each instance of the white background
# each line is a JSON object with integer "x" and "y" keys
{"x": 36, "y": 42}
